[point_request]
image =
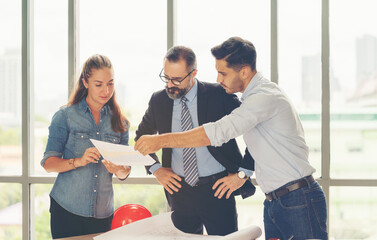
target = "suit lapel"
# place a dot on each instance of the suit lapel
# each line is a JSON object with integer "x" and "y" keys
{"x": 202, "y": 103}
{"x": 167, "y": 111}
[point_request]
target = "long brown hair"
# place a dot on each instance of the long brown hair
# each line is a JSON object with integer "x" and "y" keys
{"x": 80, "y": 92}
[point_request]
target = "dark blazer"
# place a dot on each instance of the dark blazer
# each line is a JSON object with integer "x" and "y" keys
{"x": 213, "y": 103}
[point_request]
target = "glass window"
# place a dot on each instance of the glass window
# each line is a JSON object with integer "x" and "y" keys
{"x": 40, "y": 211}
{"x": 10, "y": 211}
{"x": 10, "y": 90}
{"x": 151, "y": 197}
{"x": 244, "y": 18}
{"x": 223, "y": 20}
{"x": 133, "y": 36}
{"x": 300, "y": 67}
{"x": 353, "y": 212}
{"x": 50, "y": 71}
{"x": 250, "y": 211}
{"x": 353, "y": 89}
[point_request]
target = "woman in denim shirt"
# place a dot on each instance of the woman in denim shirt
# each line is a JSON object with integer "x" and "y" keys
{"x": 82, "y": 196}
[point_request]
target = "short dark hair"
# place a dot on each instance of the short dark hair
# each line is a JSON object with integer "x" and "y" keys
{"x": 178, "y": 53}
{"x": 237, "y": 52}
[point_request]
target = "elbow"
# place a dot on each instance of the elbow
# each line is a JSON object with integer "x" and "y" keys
{"x": 47, "y": 169}
{"x": 47, "y": 166}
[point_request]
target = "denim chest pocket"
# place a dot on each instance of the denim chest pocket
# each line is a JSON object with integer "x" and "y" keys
{"x": 81, "y": 142}
{"x": 112, "y": 138}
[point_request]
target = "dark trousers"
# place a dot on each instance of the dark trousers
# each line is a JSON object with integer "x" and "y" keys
{"x": 66, "y": 224}
{"x": 196, "y": 206}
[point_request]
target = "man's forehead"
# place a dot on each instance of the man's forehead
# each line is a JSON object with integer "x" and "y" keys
{"x": 176, "y": 68}
{"x": 221, "y": 64}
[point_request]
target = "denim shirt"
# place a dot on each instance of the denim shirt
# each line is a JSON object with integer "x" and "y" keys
{"x": 86, "y": 191}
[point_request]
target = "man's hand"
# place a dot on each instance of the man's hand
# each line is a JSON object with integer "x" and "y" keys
{"x": 228, "y": 184}
{"x": 167, "y": 178}
{"x": 148, "y": 144}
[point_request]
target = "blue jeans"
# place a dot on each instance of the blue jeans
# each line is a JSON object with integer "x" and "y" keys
{"x": 298, "y": 215}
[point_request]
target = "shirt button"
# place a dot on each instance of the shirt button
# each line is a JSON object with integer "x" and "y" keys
{"x": 82, "y": 136}
{"x": 97, "y": 133}
{"x": 100, "y": 120}
{"x": 96, "y": 176}
{"x": 95, "y": 190}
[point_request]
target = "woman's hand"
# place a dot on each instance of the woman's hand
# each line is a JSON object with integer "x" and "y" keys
{"x": 90, "y": 155}
{"x": 120, "y": 171}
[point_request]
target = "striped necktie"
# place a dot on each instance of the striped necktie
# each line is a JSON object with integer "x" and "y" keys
{"x": 189, "y": 155}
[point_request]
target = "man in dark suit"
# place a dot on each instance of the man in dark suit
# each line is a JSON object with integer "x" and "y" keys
{"x": 189, "y": 174}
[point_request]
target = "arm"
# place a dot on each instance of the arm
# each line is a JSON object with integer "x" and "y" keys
{"x": 254, "y": 110}
{"x": 57, "y": 164}
{"x": 232, "y": 102}
{"x": 164, "y": 175}
{"x": 196, "y": 137}
{"x": 229, "y": 184}
{"x": 53, "y": 160}
{"x": 148, "y": 126}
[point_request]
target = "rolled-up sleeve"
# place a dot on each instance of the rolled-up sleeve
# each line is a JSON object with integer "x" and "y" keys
{"x": 57, "y": 138}
{"x": 229, "y": 127}
{"x": 241, "y": 120}
{"x": 210, "y": 130}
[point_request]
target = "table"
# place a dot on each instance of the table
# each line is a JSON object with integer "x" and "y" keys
{"x": 83, "y": 237}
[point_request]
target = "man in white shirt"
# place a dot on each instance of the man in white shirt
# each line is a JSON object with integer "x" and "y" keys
{"x": 295, "y": 206}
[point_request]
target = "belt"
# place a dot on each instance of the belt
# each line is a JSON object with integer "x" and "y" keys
{"x": 209, "y": 179}
{"x": 303, "y": 182}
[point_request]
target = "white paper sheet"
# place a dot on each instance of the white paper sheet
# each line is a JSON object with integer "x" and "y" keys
{"x": 161, "y": 227}
{"x": 121, "y": 154}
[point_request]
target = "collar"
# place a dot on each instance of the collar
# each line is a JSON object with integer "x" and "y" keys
{"x": 190, "y": 95}
{"x": 251, "y": 85}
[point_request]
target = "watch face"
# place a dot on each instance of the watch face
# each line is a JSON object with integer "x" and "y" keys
{"x": 241, "y": 174}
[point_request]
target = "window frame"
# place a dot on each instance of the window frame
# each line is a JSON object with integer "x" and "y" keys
{"x": 27, "y": 180}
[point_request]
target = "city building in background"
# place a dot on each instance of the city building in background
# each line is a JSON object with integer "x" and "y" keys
{"x": 136, "y": 37}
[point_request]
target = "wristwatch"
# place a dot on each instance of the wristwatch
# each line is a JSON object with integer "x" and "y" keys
{"x": 242, "y": 175}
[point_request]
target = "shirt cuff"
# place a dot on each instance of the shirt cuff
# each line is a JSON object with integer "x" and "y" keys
{"x": 50, "y": 154}
{"x": 248, "y": 172}
{"x": 154, "y": 167}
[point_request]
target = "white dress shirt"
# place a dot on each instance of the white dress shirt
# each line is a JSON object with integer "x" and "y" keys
{"x": 272, "y": 131}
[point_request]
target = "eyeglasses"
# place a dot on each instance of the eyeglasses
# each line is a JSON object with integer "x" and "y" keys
{"x": 175, "y": 81}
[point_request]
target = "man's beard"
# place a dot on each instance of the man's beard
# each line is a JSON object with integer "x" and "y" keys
{"x": 175, "y": 93}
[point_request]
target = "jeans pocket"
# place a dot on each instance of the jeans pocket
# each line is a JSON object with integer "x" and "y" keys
{"x": 293, "y": 200}
{"x": 320, "y": 211}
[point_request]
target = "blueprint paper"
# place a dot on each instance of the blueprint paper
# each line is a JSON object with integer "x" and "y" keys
{"x": 121, "y": 154}
{"x": 161, "y": 227}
